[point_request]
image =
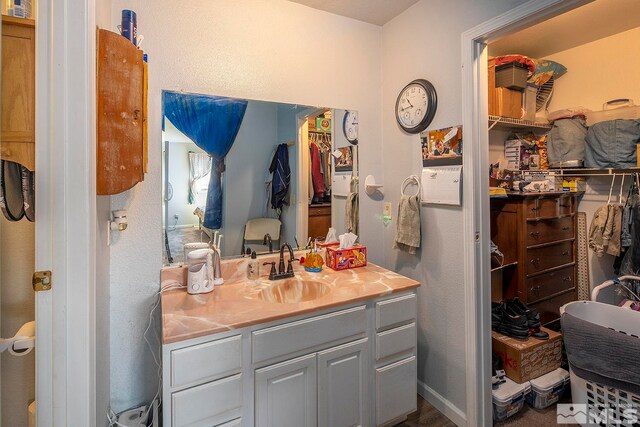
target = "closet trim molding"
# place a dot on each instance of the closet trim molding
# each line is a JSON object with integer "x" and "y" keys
{"x": 476, "y": 193}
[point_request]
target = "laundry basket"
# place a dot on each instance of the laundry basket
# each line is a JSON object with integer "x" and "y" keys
{"x": 608, "y": 292}
{"x": 606, "y": 404}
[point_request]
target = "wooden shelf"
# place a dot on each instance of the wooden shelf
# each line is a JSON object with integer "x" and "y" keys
{"x": 6, "y": 19}
{"x": 509, "y": 123}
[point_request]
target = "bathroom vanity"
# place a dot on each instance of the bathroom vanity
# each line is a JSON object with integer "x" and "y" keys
{"x": 327, "y": 349}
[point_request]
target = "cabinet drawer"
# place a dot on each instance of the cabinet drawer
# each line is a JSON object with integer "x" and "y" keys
{"x": 395, "y": 311}
{"x": 541, "y": 259}
{"x": 308, "y": 333}
{"x": 396, "y": 389}
{"x": 208, "y": 404}
{"x": 547, "y": 284}
{"x": 542, "y": 207}
{"x": 549, "y": 231}
{"x": 396, "y": 341}
{"x": 205, "y": 362}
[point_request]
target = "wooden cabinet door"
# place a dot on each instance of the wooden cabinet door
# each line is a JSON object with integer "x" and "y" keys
{"x": 342, "y": 389}
{"x": 120, "y": 112}
{"x": 285, "y": 394}
{"x": 18, "y": 91}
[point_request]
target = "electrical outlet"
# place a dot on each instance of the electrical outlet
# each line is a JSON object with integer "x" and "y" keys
{"x": 176, "y": 216}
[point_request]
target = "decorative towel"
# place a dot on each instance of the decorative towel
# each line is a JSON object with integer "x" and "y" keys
{"x": 352, "y": 208}
{"x": 408, "y": 229}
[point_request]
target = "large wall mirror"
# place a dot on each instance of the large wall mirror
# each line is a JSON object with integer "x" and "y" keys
{"x": 259, "y": 173}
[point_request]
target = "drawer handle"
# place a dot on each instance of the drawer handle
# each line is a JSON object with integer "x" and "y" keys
{"x": 535, "y": 261}
{"x": 566, "y": 228}
{"x": 535, "y": 234}
{"x": 565, "y": 253}
{"x": 536, "y": 289}
{"x": 565, "y": 205}
{"x": 567, "y": 279}
{"x": 534, "y": 209}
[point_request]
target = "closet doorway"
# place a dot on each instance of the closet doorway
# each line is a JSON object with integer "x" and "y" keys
{"x": 477, "y": 45}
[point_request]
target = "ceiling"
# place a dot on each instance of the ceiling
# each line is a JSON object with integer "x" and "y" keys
{"x": 596, "y": 20}
{"x": 377, "y": 12}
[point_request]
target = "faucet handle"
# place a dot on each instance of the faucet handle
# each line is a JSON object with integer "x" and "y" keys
{"x": 272, "y": 273}
{"x": 290, "y": 266}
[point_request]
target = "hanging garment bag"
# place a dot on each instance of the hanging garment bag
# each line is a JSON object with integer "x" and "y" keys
{"x": 11, "y": 198}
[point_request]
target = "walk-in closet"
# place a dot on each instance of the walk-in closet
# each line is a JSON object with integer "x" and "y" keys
{"x": 563, "y": 129}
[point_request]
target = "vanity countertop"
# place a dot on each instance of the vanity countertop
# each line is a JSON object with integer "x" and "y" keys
{"x": 238, "y": 302}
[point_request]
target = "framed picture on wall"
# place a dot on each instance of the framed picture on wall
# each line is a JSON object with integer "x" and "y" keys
{"x": 344, "y": 162}
{"x": 441, "y": 147}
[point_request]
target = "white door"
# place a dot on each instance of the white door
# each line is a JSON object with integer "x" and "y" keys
{"x": 285, "y": 394}
{"x": 342, "y": 390}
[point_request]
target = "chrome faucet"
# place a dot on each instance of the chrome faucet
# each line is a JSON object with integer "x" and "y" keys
{"x": 267, "y": 240}
{"x": 282, "y": 273}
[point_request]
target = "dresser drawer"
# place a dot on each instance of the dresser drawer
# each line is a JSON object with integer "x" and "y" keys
{"x": 206, "y": 362}
{"x": 547, "y": 284}
{"x": 395, "y": 311}
{"x": 539, "y": 232}
{"x": 567, "y": 205}
{"x": 550, "y": 309}
{"x": 396, "y": 341}
{"x": 544, "y": 258}
{"x": 308, "y": 333}
{"x": 541, "y": 207}
{"x": 193, "y": 407}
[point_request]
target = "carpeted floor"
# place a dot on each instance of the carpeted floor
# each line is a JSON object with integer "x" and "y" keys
{"x": 177, "y": 238}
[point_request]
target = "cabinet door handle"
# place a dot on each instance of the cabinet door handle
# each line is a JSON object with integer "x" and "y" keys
{"x": 136, "y": 114}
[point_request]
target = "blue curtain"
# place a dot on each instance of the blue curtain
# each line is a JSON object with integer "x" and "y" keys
{"x": 212, "y": 123}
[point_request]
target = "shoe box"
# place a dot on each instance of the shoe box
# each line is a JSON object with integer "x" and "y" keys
{"x": 526, "y": 360}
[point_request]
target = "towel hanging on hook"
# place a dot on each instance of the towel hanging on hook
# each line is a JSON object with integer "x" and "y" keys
{"x": 408, "y": 233}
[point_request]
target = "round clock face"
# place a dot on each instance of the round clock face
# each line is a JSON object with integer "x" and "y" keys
{"x": 416, "y": 106}
{"x": 350, "y": 126}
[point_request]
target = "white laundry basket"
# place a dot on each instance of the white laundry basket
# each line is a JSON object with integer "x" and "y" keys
{"x": 596, "y": 395}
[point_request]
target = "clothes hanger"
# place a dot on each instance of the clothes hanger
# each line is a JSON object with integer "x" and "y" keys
{"x": 613, "y": 180}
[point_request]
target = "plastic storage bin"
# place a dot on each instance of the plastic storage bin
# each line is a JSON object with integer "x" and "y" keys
{"x": 547, "y": 389}
{"x": 509, "y": 398}
{"x": 512, "y": 75}
{"x": 614, "y": 110}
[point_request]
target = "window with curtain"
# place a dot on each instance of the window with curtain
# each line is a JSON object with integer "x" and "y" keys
{"x": 199, "y": 170}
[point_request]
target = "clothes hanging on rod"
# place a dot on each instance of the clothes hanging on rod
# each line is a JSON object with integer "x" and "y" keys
{"x": 629, "y": 262}
{"x": 606, "y": 226}
{"x": 320, "y": 171}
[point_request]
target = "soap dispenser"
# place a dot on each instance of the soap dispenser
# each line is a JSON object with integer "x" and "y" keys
{"x": 253, "y": 268}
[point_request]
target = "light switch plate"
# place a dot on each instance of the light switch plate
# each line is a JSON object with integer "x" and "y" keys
{"x": 386, "y": 213}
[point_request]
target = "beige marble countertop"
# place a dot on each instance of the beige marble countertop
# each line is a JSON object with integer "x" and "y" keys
{"x": 239, "y": 302}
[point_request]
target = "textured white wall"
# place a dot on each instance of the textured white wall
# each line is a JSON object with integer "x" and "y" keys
{"x": 425, "y": 42}
{"x": 255, "y": 49}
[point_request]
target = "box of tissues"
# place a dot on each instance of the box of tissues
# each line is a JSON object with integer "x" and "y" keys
{"x": 342, "y": 259}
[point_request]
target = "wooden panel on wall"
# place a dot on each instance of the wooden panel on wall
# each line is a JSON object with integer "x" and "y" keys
{"x": 120, "y": 110}
{"x": 18, "y": 91}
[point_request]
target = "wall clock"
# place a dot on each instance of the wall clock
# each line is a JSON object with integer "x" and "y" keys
{"x": 416, "y": 105}
{"x": 350, "y": 126}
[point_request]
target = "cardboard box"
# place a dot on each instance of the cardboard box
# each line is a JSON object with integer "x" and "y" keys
{"x": 502, "y": 101}
{"x": 526, "y": 360}
{"x": 343, "y": 259}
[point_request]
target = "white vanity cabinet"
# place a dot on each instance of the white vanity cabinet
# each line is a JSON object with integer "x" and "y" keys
{"x": 353, "y": 365}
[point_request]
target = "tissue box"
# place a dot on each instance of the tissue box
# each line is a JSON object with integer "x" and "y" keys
{"x": 343, "y": 259}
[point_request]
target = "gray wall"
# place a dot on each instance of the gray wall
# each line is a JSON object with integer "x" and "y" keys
{"x": 436, "y": 26}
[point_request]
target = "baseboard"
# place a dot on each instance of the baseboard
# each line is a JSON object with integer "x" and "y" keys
{"x": 449, "y": 410}
{"x": 183, "y": 226}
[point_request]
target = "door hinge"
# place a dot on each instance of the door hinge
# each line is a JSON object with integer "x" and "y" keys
{"x": 41, "y": 281}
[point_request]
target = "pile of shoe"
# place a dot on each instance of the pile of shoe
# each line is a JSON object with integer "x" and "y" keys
{"x": 497, "y": 371}
{"x": 514, "y": 319}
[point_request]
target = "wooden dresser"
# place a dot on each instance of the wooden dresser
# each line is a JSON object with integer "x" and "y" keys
{"x": 319, "y": 220}
{"x": 536, "y": 232}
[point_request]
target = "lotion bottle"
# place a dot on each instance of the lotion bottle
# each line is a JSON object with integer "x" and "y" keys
{"x": 253, "y": 268}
